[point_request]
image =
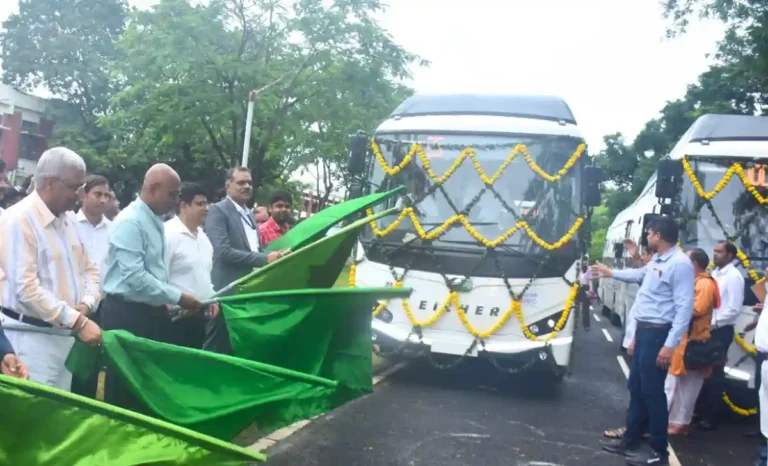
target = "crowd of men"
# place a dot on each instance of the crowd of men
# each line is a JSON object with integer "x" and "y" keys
{"x": 682, "y": 315}
{"x": 167, "y": 253}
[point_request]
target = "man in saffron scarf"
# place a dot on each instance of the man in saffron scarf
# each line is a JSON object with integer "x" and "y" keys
{"x": 684, "y": 384}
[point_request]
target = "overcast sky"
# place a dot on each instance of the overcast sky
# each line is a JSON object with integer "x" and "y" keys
{"x": 608, "y": 58}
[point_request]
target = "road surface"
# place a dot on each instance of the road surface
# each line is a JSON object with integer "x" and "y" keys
{"x": 475, "y": 415}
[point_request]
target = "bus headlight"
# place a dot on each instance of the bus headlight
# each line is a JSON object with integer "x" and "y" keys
{"x": 546, "y": 325}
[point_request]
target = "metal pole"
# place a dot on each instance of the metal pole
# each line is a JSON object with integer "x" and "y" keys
{"x": 248, "y": 123}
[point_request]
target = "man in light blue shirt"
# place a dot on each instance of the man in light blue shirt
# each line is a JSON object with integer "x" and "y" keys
{"x": 662, "y": 311}
{"x": 136, "y": 282}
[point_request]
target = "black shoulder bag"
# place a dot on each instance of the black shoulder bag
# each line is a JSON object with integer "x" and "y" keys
{"x": 700, "y": 354}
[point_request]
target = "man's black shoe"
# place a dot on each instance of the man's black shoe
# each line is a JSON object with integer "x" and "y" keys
{"x": 618, "y": 447}
{"x": 650, "y": 460}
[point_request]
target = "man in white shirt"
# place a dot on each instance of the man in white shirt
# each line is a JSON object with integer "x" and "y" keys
{"x": 92, "y": 224}
{"x": 189, "y": 256}
{"x": 93, "y": 229}
{"x": 731, "y": 285}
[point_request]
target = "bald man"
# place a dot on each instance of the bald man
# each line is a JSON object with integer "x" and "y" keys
{"x": 136, "y": 283}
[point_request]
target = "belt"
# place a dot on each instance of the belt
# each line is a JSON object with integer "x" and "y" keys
{"x": 25, "y": 319}
{"x": 641, "y": 324}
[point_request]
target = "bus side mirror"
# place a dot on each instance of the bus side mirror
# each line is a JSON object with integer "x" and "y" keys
{"x": 669, "y": 174}
{"x": 358, "y": 149}
{"x": 590, "y": 186}
{"x": 618, "y": 250}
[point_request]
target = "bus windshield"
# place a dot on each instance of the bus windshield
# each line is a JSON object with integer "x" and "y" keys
{"x": 736, "y": 212}
{"x": 518, "y": 194}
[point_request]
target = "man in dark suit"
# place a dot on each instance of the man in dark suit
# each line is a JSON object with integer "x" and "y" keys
{"x": 234, "y": 234}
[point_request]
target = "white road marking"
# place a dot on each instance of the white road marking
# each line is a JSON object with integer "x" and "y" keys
{"x": 597, "y": 319}
{"x": 281, "y": 434}
{"x": 673, "y": 460}
{"x": 388, "y": 372}
{"x": 624, "y": 367}
{"x": 607, "y": 336}
{"x": 470, "y": 435}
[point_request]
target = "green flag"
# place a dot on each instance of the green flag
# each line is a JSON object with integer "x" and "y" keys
{"x": 210, "y": 393}
{"x": 44, "y": 426}
{"x": 315, "y": 227}
{"x": 326, "y": 332}
{"x": 317, "y": 265}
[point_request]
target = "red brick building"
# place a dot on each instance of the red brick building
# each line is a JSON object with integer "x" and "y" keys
{"x": 24, "y": 131}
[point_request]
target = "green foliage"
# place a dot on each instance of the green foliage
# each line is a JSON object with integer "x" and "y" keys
{"x": 171, "y": 84}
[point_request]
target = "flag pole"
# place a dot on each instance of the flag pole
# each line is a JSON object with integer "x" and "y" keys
{"x": 218, "y": 295}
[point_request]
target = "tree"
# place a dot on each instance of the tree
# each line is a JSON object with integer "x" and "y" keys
{"x": 188, "y": 71}
{"x": 67, "y": 47}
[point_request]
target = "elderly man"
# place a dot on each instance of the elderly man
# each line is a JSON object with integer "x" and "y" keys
{"x": 46, "y": 277}
{"x": 136, "y": 283}
{"x": 234, "y": 235}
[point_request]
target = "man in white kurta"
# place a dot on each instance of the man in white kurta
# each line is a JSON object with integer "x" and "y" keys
{"x": 189, "y": 256}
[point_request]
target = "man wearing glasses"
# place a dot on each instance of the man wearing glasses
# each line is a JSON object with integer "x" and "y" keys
{"x": 46, "y": 277}
{"x": 136, "y": 283}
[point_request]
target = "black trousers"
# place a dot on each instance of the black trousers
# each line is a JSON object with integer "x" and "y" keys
{"x": 142, "y": 321}
{"x": 217, "y": 336}
{"x": 713, "y": 388}
{"x": 188, "y": 332}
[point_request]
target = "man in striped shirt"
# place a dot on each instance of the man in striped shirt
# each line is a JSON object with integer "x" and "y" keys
{"x": 46, "y": 278}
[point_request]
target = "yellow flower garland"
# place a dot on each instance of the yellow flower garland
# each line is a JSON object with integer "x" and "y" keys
{"x": 469, "y": 152}
{"x": 440, "y": 230}
{"x": 735, "y": 169}
{"x": 736, "y": 409}
{"x": 515, "y": 308}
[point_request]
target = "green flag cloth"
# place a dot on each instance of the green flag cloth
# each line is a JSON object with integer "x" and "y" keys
{"x": 326, "y": 332}
{"x": 316, "y": 226}
{"x": 44, "y": 426}
{"x": 210, "y": 393}
{"x": 317, "y": 265}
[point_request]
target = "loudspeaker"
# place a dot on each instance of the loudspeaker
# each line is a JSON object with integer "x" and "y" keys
{"x": 669, "y": 174}
{"x": 590, "y": 186}
{"x": 358, "y": 149}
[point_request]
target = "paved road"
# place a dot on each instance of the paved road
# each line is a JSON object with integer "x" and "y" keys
{"x": 476, "y": 416}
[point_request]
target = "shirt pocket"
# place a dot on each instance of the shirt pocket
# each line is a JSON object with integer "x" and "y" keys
{"x": 657, "y": 280}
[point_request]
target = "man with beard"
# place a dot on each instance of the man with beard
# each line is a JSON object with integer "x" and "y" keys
{"x": 189, "y": 256}
{"x": 136, "y": 283}
{"x": 280, "y": 213}
{"x": 47, "y": 279}
{"x": 232, "y": 230}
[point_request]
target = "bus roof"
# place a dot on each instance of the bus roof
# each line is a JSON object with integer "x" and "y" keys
{"x": 525, "y": 106}
{"x": 729, "y": 127}
{"x": 740, "y": 136}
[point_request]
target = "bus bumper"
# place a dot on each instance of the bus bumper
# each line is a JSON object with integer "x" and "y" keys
{"x": 458, "y": 344}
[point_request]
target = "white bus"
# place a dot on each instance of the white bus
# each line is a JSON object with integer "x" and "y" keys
{"x": 444, "y": 126}
{"x": 710, "y": 148}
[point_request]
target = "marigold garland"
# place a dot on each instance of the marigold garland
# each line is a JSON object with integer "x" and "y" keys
{"x": 469, "y": 152}
{"x": 440, "y": 230}
{"x": 736, "y": 409}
